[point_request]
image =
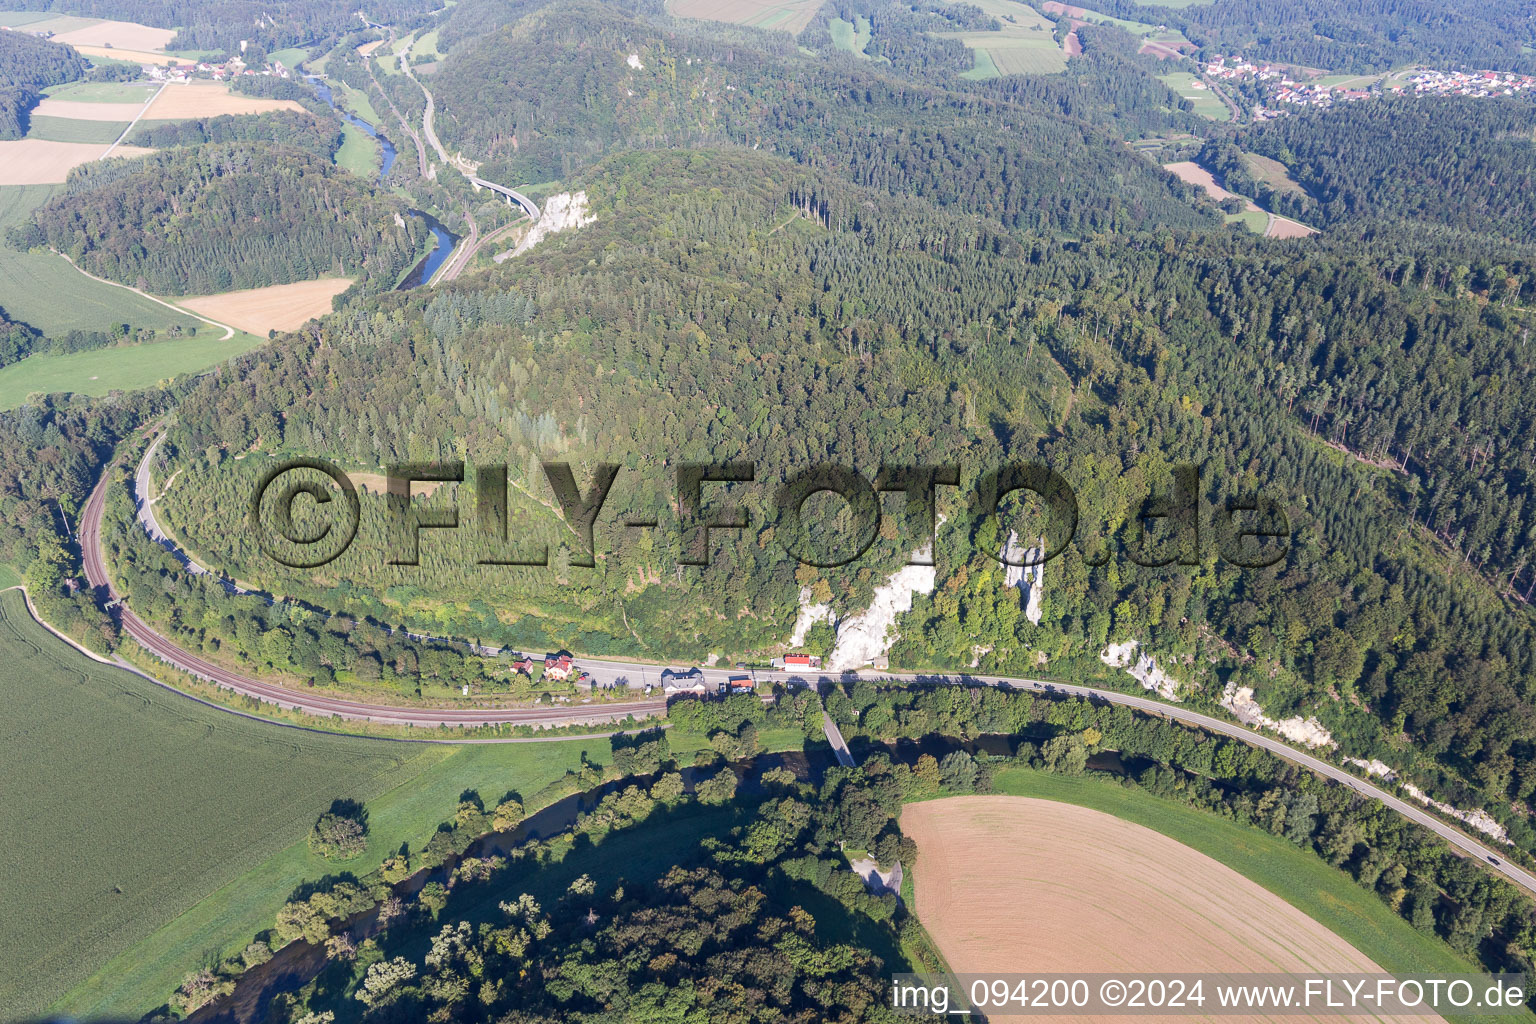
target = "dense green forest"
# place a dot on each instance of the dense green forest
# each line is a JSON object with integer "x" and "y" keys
{"x": 220, "y": 217}
{"x": 28, "y": 65}
{"x": 1464, "y": 164}
{"x": 524, "y": 100}
{"x": 789, "y": 320}
{"x": 1353, "y": 35}
{"x": 290, "y": 128}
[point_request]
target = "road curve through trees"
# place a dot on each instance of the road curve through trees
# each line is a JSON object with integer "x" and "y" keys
{"x": 637, "y": 675}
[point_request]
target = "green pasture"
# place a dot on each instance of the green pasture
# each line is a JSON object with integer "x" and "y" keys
{"x": 103, "y": 92}
{"x": 71, "y": 129}
{"x": 1206, "y": 103}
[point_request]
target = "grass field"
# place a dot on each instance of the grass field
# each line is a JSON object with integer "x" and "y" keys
{"x": 66, "y": 129}
{"x": 982, "y": 66}
{"x": 46, "y": 292}
{"x": 789, "y": 15}
{"x": 426, "y": 46}
{"x": 851, "y": 36}
{"x": 102, "y": 92}
{"x": 356, "y": 101}
{"x": 1205, "y": 102}
{"x": 1297, "y": 876}
{"x": 1273, "y": 173}
{"x": 42, "y": 22}
{"x": 188, "y": 838}
{"x": 1024, "y": 46}
{"x": 358, "y": 153}
{"x": 1254, "y": 220}
{"x": 289, "y": 58}
{"x": 122, "y": 368}
{"x": 9, "y": 577}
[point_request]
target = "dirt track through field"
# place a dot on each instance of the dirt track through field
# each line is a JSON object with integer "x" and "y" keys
{"x": 1016, "y": 884}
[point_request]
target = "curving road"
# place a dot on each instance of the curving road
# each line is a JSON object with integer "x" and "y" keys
{"x": 639, "y": 675}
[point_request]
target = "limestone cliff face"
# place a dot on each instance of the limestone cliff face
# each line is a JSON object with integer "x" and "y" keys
{"x": 1029, "y": 576}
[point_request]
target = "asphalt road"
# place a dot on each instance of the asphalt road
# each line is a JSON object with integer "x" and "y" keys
{"x": 637, "y": 676}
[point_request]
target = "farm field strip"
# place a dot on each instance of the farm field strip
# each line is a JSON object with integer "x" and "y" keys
{"x": 1298, "y": 876}
{"x": 1005, "y": 883}
{"x": 63, "y": 129}
{"x": 280, "y": 307}
{"x": 789, "y": 15}
{"x": 70, "y": 901}
{"x": 76, "y": 110}
{"x": 124, "y": 35}
{"x": 178, "y": 101}
{"x": 40, "y": 162}
{"x": 1026, "y": 44}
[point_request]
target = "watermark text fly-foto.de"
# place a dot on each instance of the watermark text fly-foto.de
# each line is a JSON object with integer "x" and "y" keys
{"x": 305, "y": 513}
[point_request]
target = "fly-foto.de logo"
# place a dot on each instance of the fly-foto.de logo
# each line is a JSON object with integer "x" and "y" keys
{"x": 306, "y": 512}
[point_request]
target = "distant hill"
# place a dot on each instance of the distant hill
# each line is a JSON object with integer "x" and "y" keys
{"x": 29, "y": 65}
{"x": 225, "y": 216}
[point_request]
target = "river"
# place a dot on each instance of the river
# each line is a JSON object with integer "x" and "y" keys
{"x": 443, "y": 240}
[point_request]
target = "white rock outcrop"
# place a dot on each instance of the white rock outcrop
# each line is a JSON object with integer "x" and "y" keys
{"x": 1374, "y": 768}
{"x": 1478, "y": 819}
{"x": 1142, "y": 667}
{"x": 810, "y": 613}
{"x": 866, "y": 636}
{"x": 562, "y": 212}
{"x": 1028, "y": 577}
{"x": 1309, "y": 732}
{"x": 633, "y": 60}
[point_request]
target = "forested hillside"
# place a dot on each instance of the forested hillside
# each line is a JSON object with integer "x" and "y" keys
{"x": 1463, "y": 164}
{"x": 728, "y": 306}
{"x": 1353, "y": 35}
{"x": 29, "y": 65}
{"x": 219, "y": 217}
{"x": 546, "y": 96}
{"x": 279, "y": 127}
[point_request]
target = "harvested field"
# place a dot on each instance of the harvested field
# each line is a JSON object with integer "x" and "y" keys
{"x": 790, "y": 15}
{"x": 280, "y": 307}
{"x": 119, "y": 35}
{"x": 131, "y": 56}
{"x": 87, "y": 111}
{"x": 1071, "y": 45}
{"x": 208, "y": 99}
{"x": 1192, "y": 173}
{"x": 36, "y": 162}
{"x": 1284, "y": 227}
{"x": 1006, "y": 884}
{"x": 367, "y": 48}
